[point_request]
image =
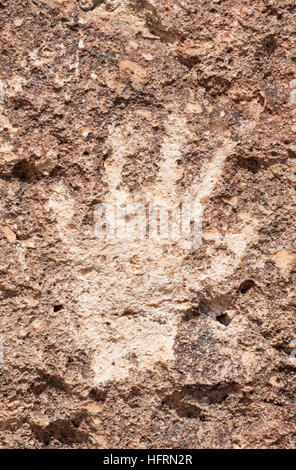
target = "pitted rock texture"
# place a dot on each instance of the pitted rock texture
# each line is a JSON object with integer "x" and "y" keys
{"x": 147, "y": 343}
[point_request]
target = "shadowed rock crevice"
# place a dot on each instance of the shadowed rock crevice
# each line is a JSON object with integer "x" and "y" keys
{"x": 67, "y": 431}
{"x": 192, "y": 400}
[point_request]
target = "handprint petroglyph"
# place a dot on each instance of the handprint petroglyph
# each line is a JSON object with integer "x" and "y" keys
{"x": 293, "y": 91}
{"x": 131, "y": 294}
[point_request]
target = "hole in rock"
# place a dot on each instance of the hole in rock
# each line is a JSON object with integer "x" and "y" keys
{"x": 57, "y": 308}
{"x": 223, "y": 319}
{"x": 246, "y": 286}
{"x": 24, "y": 171}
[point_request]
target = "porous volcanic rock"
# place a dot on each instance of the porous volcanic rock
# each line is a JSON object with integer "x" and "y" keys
{"x": 147, "y": 343}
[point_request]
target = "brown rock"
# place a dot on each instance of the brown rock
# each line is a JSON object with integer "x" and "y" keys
{"x": 146, "y": 339}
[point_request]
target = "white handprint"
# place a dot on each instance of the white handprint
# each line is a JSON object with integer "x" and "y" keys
{"x": 130, "y": 295}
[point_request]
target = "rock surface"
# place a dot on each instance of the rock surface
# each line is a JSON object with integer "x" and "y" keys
{"x": 147, "y": 343}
